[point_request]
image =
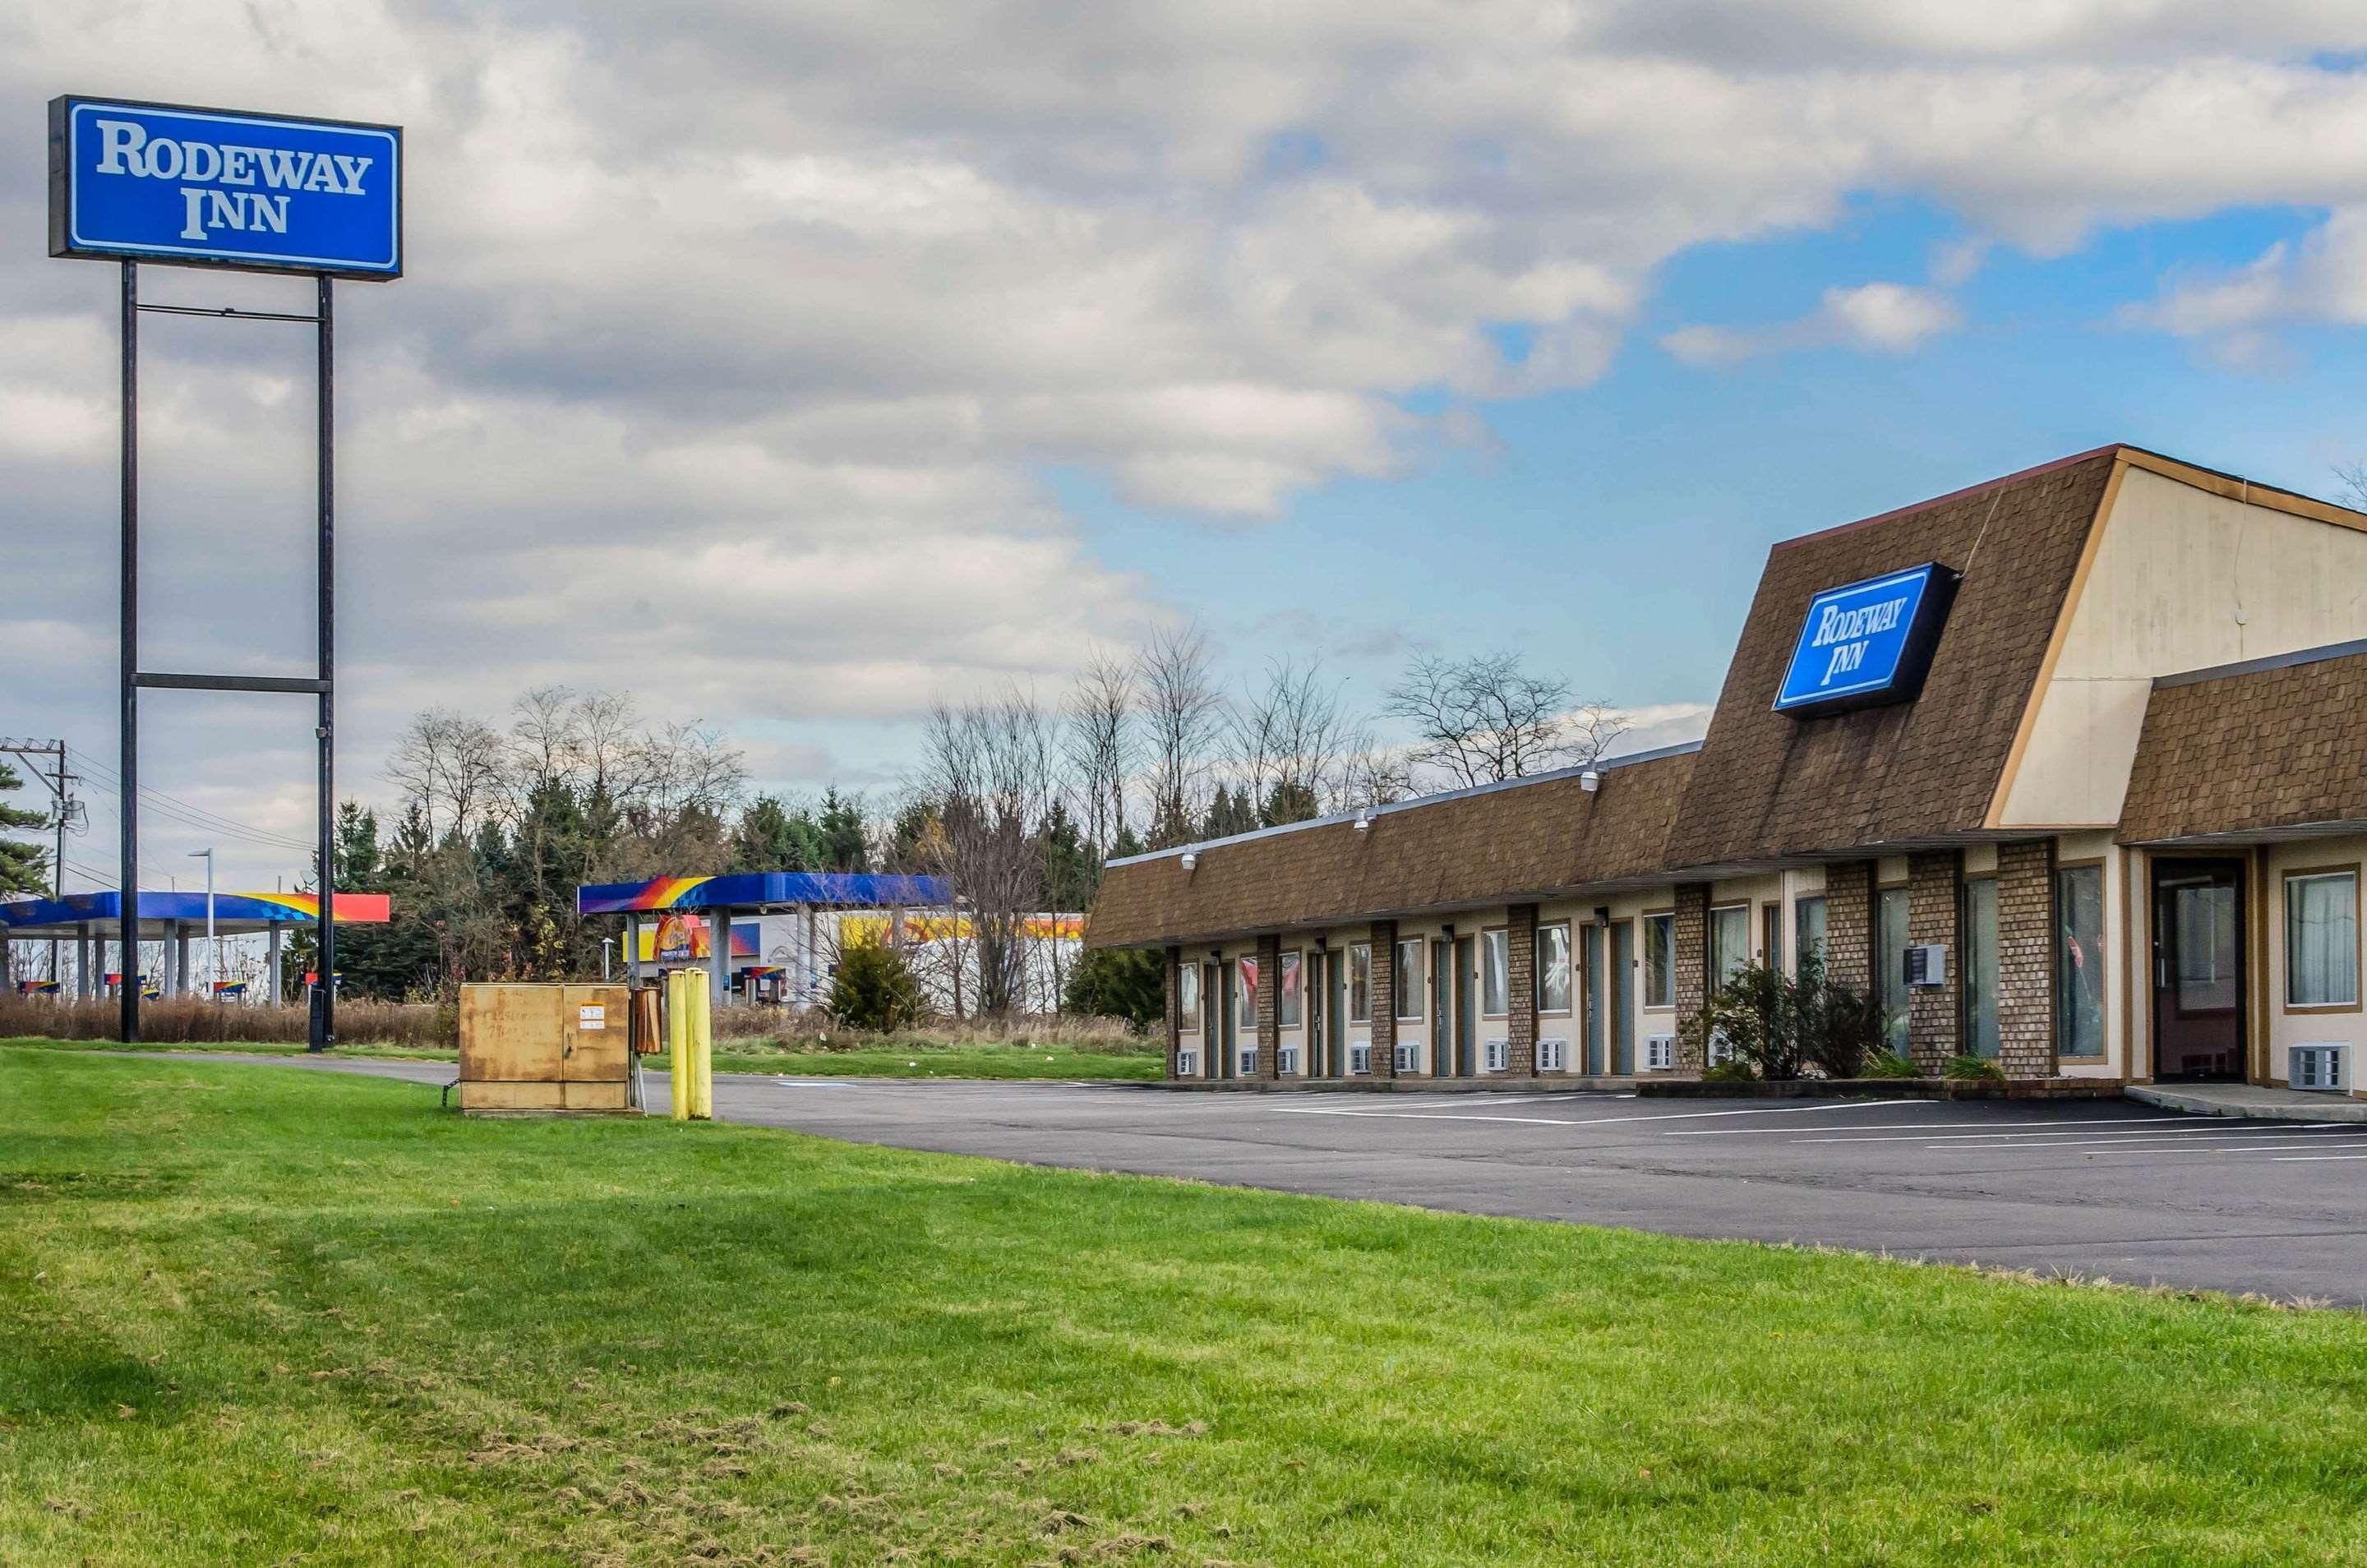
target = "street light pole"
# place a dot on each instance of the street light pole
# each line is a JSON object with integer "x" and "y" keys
{"x": 213, "y": 949}
{"x": 605, "y": 943}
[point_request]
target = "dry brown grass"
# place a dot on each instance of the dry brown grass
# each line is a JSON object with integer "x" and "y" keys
{"x": 191, "y": 1020}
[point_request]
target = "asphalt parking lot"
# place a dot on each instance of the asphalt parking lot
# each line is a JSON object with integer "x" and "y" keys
{"x": 2095, "y": 1188}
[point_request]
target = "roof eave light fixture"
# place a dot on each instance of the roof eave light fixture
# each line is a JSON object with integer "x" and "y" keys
{"x": 1189, "y": 862}
{"x": 1364, "y": 819}
{"x": 1591, "y": 780}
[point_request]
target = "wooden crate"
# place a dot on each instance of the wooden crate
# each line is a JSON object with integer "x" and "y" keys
{"x": 526, "y": 1047}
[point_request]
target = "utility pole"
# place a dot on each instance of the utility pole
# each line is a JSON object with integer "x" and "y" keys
{"x": 61, "y": 808}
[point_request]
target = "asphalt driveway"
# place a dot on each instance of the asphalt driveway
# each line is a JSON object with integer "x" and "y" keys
{"x": 2097, "y": 1188}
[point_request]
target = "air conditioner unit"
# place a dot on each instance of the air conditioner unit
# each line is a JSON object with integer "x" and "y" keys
{"x": 2319, "y": 1066}
{"x": 1660, "y": 1052}
{"x": 1286, "y": 1059}
{"x": 1187, "y": 1063}
{"x": 1495, "y": 1056}
{"x": 1927, "y": 965}
{"x": 1248, "y": 1068}
{"x": 1553, "y": 1056}
{"x": 1409, "y": 1057}
{"x": 1360, "y": 1058}
{"x": 1719, "y": 1049}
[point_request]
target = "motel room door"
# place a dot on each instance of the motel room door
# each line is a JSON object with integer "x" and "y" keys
{"x": 2197, "y": 969}
{"x": 1466, "y": 1008}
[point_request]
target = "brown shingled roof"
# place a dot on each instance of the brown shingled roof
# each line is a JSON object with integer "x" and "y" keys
{"x": 1769, "y": 784}
{"x": 2279, "y": 743}
{"x": 1492, "y": 846}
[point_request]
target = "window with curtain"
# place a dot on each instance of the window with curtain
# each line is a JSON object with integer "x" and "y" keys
{"x": 1360, "y": 983}
{"x": 2322, "y": 939}
{"x": 1553, "y": 968}
{"x": 1729, "y": 942}
{"x": 1495, "y": 985}
{"x": 1980, "y": 938}
{"x": 1890, "y": 966}
{"x": 1808, "y": 929}
{"x": 1187, "y": 997}
{"x": 1287, "y": 1005}
{"x": 1245, "y": 984}
{"x": 1660, "y": 961}
{"x": 2080, "y": 961}
{"x": 1407, "y": 979}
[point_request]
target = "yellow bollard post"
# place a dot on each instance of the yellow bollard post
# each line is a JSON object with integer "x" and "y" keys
{"x": 702, "y": 1047}
{"x": 678, "y": 1067}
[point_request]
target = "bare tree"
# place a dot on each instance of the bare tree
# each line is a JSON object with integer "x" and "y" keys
{"x": 1371, "y": 773}
{"x": 1481, "y": 719}
{"x": 451, "y": 767}
{"x": 1593, "y": 730}
{"x": 986, "y": 765}
{"x": 1290, "y": 743}
{"x": 2354, "y": 479}
{"x": 1183, "y": 715}
{"x": 1101, "y": 746}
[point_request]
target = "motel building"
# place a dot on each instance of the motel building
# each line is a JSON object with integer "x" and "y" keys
{"x": 2068, "y": 769}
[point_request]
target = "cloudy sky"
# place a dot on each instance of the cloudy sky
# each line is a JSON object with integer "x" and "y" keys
{"x": 793, "y": 364}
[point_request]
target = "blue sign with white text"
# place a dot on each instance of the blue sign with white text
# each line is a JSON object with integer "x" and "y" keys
{"x": 1867, "y": 642}
{"x": 215, "y": 187}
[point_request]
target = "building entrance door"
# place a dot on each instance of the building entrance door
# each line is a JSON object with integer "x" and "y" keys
{"x": 2197, "y": 969}
{"x": 1465, "y": 1010}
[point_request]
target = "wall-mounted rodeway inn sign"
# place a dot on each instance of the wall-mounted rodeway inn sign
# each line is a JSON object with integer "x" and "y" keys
{"x": 217, "y": 187}
{"x": 1868, "y": 642}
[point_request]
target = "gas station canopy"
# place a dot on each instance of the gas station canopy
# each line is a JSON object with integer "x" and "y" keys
{"x": 176, "y": 914}
{"x": 764, "y": 891}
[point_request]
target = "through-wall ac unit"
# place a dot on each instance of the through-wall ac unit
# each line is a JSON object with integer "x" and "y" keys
{"x": 1553, "y": 1056}
{"x": 1248, "y": 1068}
{"x": 1187, "y": 1063}
{"x": 1927, "y": 965}
{"x": 1409, "y": 1057}
{"x": 1360, "y": 1058}
{"x": 1286, "y": 1059}
{"x": 1660, "y": 1052}
{"x": 1719, "y": 1050}
{"x": 1495, "y": 1056}
{"x": 2320, "y": 1067}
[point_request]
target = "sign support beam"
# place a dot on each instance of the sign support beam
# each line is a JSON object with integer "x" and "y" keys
{"x": 126, "y": 765}
{"x": 325, "y": 1009}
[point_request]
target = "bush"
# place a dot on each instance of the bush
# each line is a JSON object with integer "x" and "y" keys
{"x": 873, "y": 988}
{"x": 1839, "y": 1029}
{"x": 1119, "y": 983}
{"x": 1730, "y": 1072}
{"x": 1754, "y": 1018}
{"x": 1888, "y": 1065}
{"x": 1972, "y": 1070}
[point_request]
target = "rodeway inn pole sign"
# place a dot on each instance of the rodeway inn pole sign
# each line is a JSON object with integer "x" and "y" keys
{"x": 216, "y": 188}
{"x": 138, "y": 184}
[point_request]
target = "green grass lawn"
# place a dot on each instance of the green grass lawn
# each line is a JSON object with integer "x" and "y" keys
{"x": 257, "y": 1316}
{"x": 916, "y": 1059}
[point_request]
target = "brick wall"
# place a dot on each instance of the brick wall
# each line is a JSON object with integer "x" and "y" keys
{"x": 1384, "y": 939}
{"x": 1692, "y": 970}
{"x": 1934, "y": 1015}
{"x": 2025, "y": 895}
{"x": 1269, "y": 1007}
{"x": 1521, "y": 984}
{"x": 1849, "y": 924}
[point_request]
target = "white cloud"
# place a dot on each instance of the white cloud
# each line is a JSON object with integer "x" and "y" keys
{"x": 1878, "y": 318}
{"x": 717, "y": 305}
{"x": 2234, "y": 315}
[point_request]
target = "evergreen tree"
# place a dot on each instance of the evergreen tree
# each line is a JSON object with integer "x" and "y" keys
{"x": 1288, "y": 802}
{"x": 770, "y": 837}
{"x": 846, "y": 846}
{"x": 1119, "y": 983}
{"x": 873, "y": 987}
{"x": 1070, "y": 873}
{"x": 24, "y": 868}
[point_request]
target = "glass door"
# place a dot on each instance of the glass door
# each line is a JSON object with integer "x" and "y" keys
{"x": 2197, "y": 969}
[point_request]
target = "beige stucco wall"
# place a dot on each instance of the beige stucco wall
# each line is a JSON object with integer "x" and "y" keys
{"x": 2310, "y": 1025}
{"x": 2182, "y": 580}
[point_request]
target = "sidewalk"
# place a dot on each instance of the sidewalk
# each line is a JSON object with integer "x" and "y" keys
{"x": 2255, "y": 1100}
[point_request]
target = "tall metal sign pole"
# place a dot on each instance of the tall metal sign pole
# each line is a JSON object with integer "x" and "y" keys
{"x": 187, "y": 187}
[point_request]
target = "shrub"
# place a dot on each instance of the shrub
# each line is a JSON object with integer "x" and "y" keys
{"x": 1887, "y": 1064}
{"x": 1119, "y": 983}
{"x": 1754, "y": 1018}
{"x": 1730, "y": 1071}
{"x": 873, "y": 988}
{"x": 1972, "y": 1070}
{"x": 1839, "y": 1028}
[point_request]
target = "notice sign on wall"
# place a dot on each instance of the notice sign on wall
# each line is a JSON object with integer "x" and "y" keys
{"x": 216, "y": 188}
{"x": 1868, "y": 642}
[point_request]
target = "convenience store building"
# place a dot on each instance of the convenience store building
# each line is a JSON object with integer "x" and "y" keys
{"x": 2069, "y": 769}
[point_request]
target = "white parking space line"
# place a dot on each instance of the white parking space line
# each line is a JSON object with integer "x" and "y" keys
{"x": 1920, "y": 1127}
{"x": 2165, "y": 1142}
{"x": 2041, "y": 1134}
{"x": 1576, "y": 1121}
{"x": 2308, "y": 1159}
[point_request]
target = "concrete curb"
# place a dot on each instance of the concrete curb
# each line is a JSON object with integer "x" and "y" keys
{"x": 2251, "y": 1102}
